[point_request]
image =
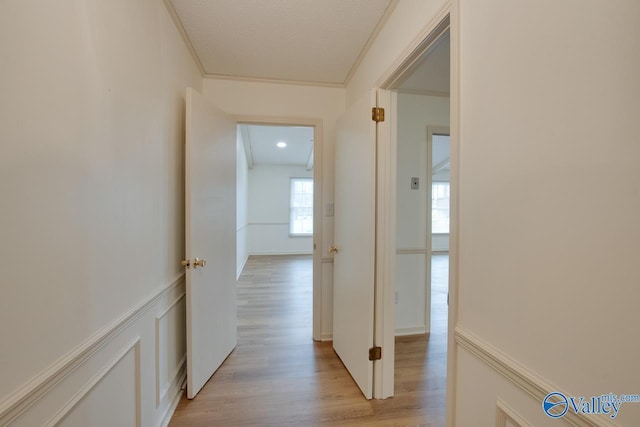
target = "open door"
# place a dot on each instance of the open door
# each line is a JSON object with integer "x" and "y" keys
{"x": 210, "y": 204}
{"x": 354, "y": 240}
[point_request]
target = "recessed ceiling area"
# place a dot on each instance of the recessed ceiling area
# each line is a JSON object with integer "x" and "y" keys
{"x": 432, "y": 74}
{"x": 261, "y": 145}
{"x": 299, "y": 40}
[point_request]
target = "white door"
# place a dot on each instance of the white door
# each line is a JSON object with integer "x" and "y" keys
{"x": 354, "y": 240}
{"x": 210, "y": 202}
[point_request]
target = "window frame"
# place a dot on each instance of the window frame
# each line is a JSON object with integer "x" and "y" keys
{"x": 292, "y": 180}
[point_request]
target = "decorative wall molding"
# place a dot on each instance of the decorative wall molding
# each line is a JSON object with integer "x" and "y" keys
{"x": 25, "y": 397}
{"x": 184, "y": 35}
{"x": 166, "y": 418}
{"x": 68, "y": 407}
{"x": 411, "y": 251}
{"x": 505, "y": 413}
{"x": 162, "y": 394}
{"x": 327, "y": 260}
{"x": 527, "y": 380}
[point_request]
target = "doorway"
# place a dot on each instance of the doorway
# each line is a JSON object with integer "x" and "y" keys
{"x": 420, "y": 100}
{"x": 278, "y": 195}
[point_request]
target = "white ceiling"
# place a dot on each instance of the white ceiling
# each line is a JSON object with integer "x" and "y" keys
{"x": 432, "y": 74}
{"x": 260, "y": 144}
{"x": 299, "y": 40}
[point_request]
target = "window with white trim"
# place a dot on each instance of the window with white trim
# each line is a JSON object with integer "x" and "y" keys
{"x": 440, "y": 194}
{"x": 301, "y": 217}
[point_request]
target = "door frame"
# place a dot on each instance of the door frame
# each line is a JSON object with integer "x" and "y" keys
{"x": 431, "y": 131}
{"x": 447, "y": 17}
{"x": 316, "y": 124}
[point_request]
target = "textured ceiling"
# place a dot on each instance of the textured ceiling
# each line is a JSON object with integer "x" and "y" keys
{"x": 262, "y": 142}
{"x": 300, "y": 40}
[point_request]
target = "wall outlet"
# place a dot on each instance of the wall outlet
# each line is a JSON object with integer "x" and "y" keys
{"x": 415, "y": 183}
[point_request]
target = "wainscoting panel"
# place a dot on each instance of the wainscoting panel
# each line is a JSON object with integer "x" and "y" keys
{"x": 171, "y": 348}
{"x": 127, "y": 374}
{"x": 494, "y": 389}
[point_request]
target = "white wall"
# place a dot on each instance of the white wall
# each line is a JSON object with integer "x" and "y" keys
{"x": 549, "y": 153}
{"x": 284, "y": 100}
{"x": 242, "y": 205}
{"x": 269, "y": 197}
{"x": 91, "y": 229}
{"x": 549, "y": 97}
{"x": 415, "y": 113}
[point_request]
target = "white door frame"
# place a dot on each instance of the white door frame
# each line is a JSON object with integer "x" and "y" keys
{"x": 317, "y": 200}
{"x": 447, "y": 17}
{"x": 431, "y": 130}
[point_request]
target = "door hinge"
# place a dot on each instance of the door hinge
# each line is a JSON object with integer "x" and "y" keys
{"x": 375, "y": 353}
{"x": 377, "y": 114}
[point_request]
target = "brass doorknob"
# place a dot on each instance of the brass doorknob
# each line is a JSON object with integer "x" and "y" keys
{"x": 197, "y": 262}
{"x": 333, "y": 249}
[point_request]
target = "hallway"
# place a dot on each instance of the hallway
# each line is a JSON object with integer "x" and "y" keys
{"x": 278, "y": 376}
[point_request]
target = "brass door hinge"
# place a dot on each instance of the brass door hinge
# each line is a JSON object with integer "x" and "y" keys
{"x": 377, "y": 114}
{"x": 375, "y": 353}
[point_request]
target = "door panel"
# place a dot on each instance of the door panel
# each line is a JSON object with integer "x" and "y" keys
{"x": 210, "y": 204}
{"x": 354, "y": 238}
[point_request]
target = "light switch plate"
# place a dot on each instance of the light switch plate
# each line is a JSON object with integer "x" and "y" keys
{"x": 328, "y": 209}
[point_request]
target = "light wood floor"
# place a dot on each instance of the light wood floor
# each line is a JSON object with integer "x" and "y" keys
{"x": 277, "y": 376}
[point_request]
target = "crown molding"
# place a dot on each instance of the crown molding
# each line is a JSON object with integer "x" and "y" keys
{"x": 374, "y": 35}
{"x": 213, "y": 76}
{"x": 183, "y": 33}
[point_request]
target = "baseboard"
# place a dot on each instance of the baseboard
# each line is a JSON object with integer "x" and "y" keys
{"x": 325, "y": 336}
{"x": 416, "y": 330}
{"x": 281, "y": 253}
{"x": 528, "y": 381}
{"x": 171, "y": 409}
{"x": 244, "y": 262}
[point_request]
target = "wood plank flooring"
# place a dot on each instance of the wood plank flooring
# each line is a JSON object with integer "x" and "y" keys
{"x": 277, "y": 376}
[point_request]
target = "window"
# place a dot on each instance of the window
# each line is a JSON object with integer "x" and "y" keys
{"x": 440, "y": 207}
{"x": 301, "y": 220}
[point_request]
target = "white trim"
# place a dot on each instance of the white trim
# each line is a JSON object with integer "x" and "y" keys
{"x": 133, "y": 345}
{"x": 528, "y": 381}
{"x": 214, "y": 76}
{"x": 185, "y": 37}
{"x": 374, "y": 34}
{"x": 246, "y": 142}
{"x": 505, "y": 413}
{"x": 327, "y": 260}
{"x": 412, "y": 251}
{"x": 242, "y": 228}
{"x": 34, "y": 390}
{"x": 454, "y": 127}
{"x": 424, "y": 92}
{"x": 425, "y": 40}
{"x": 318, "y": 144}
{"x": 166, "y": 418}
{"x": 385, "y": 264}
{"x": 325, "y": 336}
{"x": 161, "y": 394}
{"x": 445, "y": 18}
{"x": 414, "y": 330}
{"x": 281, "y": 253}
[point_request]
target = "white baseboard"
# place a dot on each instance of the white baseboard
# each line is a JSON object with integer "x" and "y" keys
{"x": 326, "y": 336}
{"x": 171, "y": 409}
{"x": 281, "y": 253}
{"x": 415, "y": 330}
